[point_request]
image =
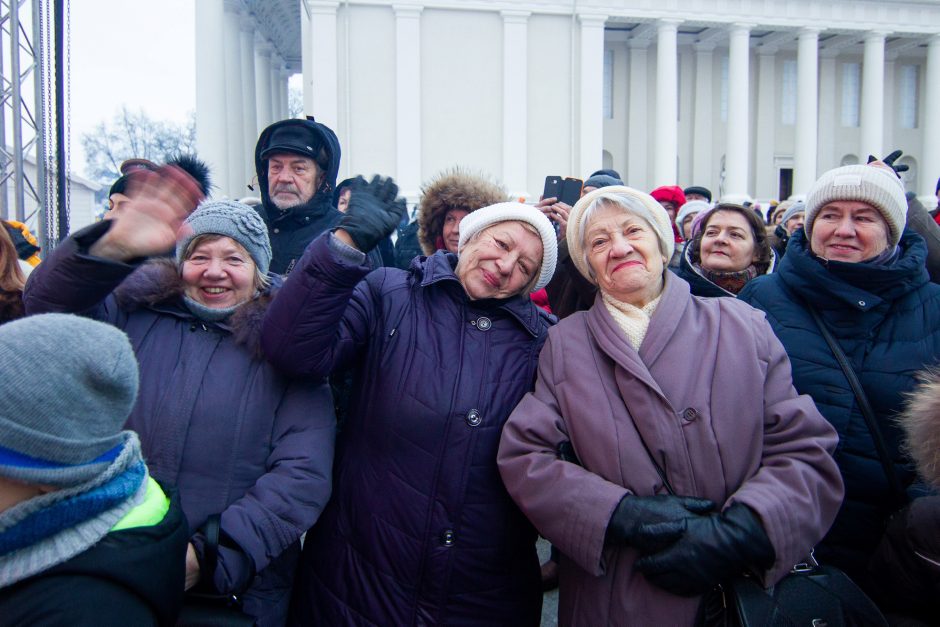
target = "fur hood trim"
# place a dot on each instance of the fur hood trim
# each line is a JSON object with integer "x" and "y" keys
{"x": 921, "y": 424}
{"x": 453, "y": 189}
{"x": 157, "y": 285}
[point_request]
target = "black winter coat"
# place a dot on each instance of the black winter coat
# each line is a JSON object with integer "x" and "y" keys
{"x": 130, "y": 577}
{"x": 887, "y": 321}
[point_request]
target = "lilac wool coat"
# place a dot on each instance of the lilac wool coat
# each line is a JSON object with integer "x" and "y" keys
{"x": 710, "y": 394}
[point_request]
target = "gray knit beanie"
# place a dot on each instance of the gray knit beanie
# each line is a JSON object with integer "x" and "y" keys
{"x": 797, "y": 207}
{"x": 232, "y": 219}
{"x": 874, "y": 185}
{"x": 480, "y": 219}
{"x": 69, "y": 384}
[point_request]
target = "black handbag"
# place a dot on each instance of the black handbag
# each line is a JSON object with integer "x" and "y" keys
{"x": 210, "y": 609}
{"x": 810, "y": 595}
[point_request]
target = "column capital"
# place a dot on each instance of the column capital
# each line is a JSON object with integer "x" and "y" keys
{"x": 407, "y": 11}
{"x": 765, "y": 50}
{"x": 704, "y": 47}
{"x": 638, "y": 44}
{"x": 263, "y": 47}
{"x": 810, "y": 31}
{"x": 668, "y": 23}
{"x": 741, "y": 26}
{"x": 933, "y": 40}
{"x": 321, "y": 7}
{"x": 516, "y": 17}
{"x": 876, "y": 35}
{"x": 592, "y": 19}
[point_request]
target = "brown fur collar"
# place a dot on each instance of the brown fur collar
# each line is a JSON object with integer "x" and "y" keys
{"x": 921, "y": 424}
{"x": 157, "y": 284}
{"x": 452, "y": 189}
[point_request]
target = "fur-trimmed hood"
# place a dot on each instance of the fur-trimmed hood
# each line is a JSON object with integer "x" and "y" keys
{"x": 921, "y": 424}
{"x": 452, "y": 189}
{"x": 157, "y": 285}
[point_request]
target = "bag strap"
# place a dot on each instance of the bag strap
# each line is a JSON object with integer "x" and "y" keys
{"x": 863, "y": 405}
{"x": 210, "y": 551}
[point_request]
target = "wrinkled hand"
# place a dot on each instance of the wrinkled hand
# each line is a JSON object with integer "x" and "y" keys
{"x": 889, "y": 161}
{"x": 557, "y": 212}
{"x": 159, "y": 202}
{"x": 192, "y": 567}
{"x": 705, "y": 550}
{"x": 635, "y": 511}
{"x": 373, "y": 212}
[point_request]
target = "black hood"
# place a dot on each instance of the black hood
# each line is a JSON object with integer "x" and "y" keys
{"x": 324, "y": 136}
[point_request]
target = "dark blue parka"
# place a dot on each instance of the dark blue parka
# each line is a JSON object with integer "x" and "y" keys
{"x": 887, "y": 321}
{"x": 215, "y": 420}
{"x": 420, "y": 529}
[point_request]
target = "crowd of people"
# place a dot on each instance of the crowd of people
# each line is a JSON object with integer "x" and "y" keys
{"x": 317, "y": 408}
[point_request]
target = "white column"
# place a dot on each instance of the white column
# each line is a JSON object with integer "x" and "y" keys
{"x": 704, "y": 168}
{"x": 828, "y": 116}
{"x": 592, "y": 93}
{"x": 638, "y": 117}
{"x": 765, "y": 183}
{"x": 235, "y": 116}
{"x": 211, "y": 126}
{"x": 408, "y": 100}
{"x": 667, "y": 104}
{"x": 263, "y": 82}
{"x": 285, "y": 90}
{"x": 807, "y": 100}
{"x": 324, "y": 62}
{"x": 515, "y": 102}
{"x": 930, "y": 163}
{"x": 277, "y": 104}
{"x": 873, "y": 84}
{"x": 737, "y": 157}
{"x": 306, "y": 58}
{"x": 250, "y": 128}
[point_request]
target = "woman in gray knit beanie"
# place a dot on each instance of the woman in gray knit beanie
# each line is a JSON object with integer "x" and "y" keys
{"x": 243, "y": 444}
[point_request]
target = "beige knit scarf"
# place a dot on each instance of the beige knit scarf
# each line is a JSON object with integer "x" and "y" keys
{"x": 633, "y": 321}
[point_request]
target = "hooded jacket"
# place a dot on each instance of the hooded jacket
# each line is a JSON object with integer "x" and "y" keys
{"x": 214, "y": 419}
{"x": 421, "y": 530}
{"x": 130, "y": 577}
{"x": 290, "y": 231}
{"x": 453, "y": 189}
{"x": 887, "y": 321}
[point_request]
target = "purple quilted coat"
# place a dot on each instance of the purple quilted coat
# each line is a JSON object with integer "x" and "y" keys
{"x": 420, "y": 530}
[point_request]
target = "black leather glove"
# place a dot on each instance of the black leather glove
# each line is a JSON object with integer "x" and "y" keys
{"x": 635, "y": 511}
{"x": 373, "y": 212}
{"x": 889, "y": 161}
{"x": 706, "y": 550}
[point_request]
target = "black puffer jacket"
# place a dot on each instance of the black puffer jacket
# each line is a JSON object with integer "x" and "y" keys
{"x": 130, "y": 577}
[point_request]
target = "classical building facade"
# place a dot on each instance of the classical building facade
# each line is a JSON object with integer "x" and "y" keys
{"x": 749, "y": 97}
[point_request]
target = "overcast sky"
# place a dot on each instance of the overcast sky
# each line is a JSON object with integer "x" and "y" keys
{"x": 131, "y": 52}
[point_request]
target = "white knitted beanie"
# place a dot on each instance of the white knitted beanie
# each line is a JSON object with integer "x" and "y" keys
{"x": 693, "y": 207}
{"x": 633, "y": 201}
{"x": 480, "y": 219}
{"x": 873, "y": 185}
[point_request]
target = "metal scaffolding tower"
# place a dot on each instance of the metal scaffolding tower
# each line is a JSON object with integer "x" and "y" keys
{"x": 32, "y": 107}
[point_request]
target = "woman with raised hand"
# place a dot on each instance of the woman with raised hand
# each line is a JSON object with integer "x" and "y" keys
{"x": 239, "y": 440}
{"x": 420, "y": 529}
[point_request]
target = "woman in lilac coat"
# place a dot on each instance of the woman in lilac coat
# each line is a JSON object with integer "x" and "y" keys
{"x": 664, "y": 448}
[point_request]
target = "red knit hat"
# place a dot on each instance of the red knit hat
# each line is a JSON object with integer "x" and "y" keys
{"x": 670, "y": 193}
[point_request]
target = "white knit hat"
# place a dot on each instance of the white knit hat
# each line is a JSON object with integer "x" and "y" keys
{"x": 870, "y": 184}
{"x": 632, "y": 200}
{"x": 480, "y": 219}
{"x": 691, "y": 207}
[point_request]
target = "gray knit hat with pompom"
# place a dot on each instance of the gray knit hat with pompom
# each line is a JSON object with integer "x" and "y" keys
{"x": 232, "y": 219}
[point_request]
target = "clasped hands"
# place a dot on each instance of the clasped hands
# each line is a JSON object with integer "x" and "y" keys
{"x": 686, "y": 546}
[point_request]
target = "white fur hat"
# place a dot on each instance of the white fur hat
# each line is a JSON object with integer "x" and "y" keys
{"x": 874, "y": 185}
{"x": 480, "y": 219}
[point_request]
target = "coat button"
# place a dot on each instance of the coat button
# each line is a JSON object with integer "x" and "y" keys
{"x": 483, "y": 323}
{"x": 474, "y": 418}
{"x": 689, "y": 414}
{"x": 861, "y": 303}
{"x": 447, "y": 538}
{"x": 277, "y": 230}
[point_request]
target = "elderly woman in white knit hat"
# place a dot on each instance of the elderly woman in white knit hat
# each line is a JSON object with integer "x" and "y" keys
{"x": 664, "y": 446}
{"x": 853, "y": 282}
{"x": 420, "y": 528}
{"x": 249, "y": 449}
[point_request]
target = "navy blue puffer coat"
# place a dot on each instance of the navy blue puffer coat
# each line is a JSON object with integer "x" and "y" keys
{"x": 420, "y": 529}
{"x": 887, "y": 321}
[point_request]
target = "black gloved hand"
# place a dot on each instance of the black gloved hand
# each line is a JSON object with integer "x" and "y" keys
{"x": 635, "y": 511}
{"x": 706, "y": 550}
{"x": 889, "y": 161}
{"x": 373, "y": 212}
